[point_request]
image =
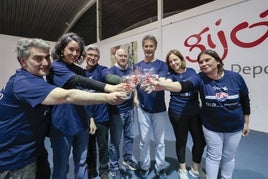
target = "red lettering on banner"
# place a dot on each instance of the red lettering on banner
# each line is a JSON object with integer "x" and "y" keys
{"x": 194, "y": 41}
{"x": 245, "y": 25}
{"x": 197, "y": 44}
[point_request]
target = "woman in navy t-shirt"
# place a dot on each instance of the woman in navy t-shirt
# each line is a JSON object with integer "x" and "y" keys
{"x": 184, "y": 116}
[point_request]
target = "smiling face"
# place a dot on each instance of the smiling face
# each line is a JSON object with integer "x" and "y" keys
{"x": 121, "y": 58}
{"x": 38, "y": 62}
{"x": 71, "y": 52}
{"x": 208, "y": 64}
{"x": 175, "y": 63}
{"x": 92, "y": 58}
{"x": 149, "y": 48}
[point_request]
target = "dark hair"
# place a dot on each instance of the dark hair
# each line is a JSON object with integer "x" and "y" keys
{"x": 149, "y": 37}
{"x": 178, "y": 54}
{"x": 63, "y": 42}
{"x": 214, "y": 55}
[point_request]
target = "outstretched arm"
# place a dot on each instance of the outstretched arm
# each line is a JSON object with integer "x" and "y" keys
{"x": 88, "y": 83}
{"x": 113, "y": 79}
{"x": 160, "y": 84}
{"x": 79, "y": 97}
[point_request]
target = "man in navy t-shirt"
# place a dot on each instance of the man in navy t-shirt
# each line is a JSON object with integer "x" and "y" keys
{"x": 151, "y": 110}
{"x": 24, "y": 109}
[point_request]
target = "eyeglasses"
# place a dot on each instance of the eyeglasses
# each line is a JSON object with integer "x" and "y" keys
{"x": 93, "y": 55}
{"x": 120, "y": 55}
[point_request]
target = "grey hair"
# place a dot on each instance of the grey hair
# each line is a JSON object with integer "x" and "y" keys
{"x": 24, "y": 45}
{"x": 93, "y": 47}
{"x": 149, "y": 37}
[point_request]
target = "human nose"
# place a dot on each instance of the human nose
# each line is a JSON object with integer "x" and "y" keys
{"x": 172, "y": 62}
{"x": 147, "y": 48}
{"x": 46, "y": 61}
{"x": 76, "y": 52}
{"x": 202, "y": 63}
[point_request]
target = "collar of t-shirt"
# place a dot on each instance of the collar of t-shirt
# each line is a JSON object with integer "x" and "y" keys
{"x": 118, "y": 66}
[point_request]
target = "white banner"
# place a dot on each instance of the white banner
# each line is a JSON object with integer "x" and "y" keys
{"x": 236, "y": 29}
{"x": 239, "y": 34}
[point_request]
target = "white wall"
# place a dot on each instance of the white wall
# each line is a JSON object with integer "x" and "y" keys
{"x": 8, "y": 61}
{"x": 220, "y": 17}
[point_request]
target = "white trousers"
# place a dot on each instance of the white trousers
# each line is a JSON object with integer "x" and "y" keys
{"x": 221, "y": 150}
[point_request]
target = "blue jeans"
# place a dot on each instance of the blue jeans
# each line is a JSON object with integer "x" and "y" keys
{"x": 157, "y": 123}
{"x": 121, "y": 123}
{"x": 61, "y": 147}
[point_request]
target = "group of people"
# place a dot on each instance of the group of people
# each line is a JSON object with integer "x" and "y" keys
{"x": 224, "y": 112}
{"x": 29, "y": 106}
{"x": 87, "y": 109}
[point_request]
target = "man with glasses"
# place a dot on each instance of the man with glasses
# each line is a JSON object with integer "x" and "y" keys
{"x": 100, "y": 117}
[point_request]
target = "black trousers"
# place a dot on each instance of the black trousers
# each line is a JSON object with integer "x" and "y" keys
{"x": 182, "y": 124}
{"x": 42, "y": 165}
{"x": 92, "y": 153}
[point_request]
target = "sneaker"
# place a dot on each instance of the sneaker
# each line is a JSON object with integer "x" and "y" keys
{"x": 130, "y": 164}
{"x": 161, "y": 174}
{"x": 200, "y": 174}
{"x": 104, "y": 175}
{"x": 183, "y": 173}
{"x": 116, "y": 174}
{"x": 143, "y": 174}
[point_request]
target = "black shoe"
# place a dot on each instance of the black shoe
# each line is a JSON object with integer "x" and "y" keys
{"x": 161, "y": 174}
{"x": 143, "y": 174}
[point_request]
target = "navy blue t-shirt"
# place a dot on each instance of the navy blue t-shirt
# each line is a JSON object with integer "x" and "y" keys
{"x": 128, "y": 104}
{"x": 69, "y": 119}
{"x": 221, "y": 109}
{"x": 155, "y": 101}
{"x": 183, "y": 103}
{"x": 24, "y": 122}
{"x": 99, "y": 111}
